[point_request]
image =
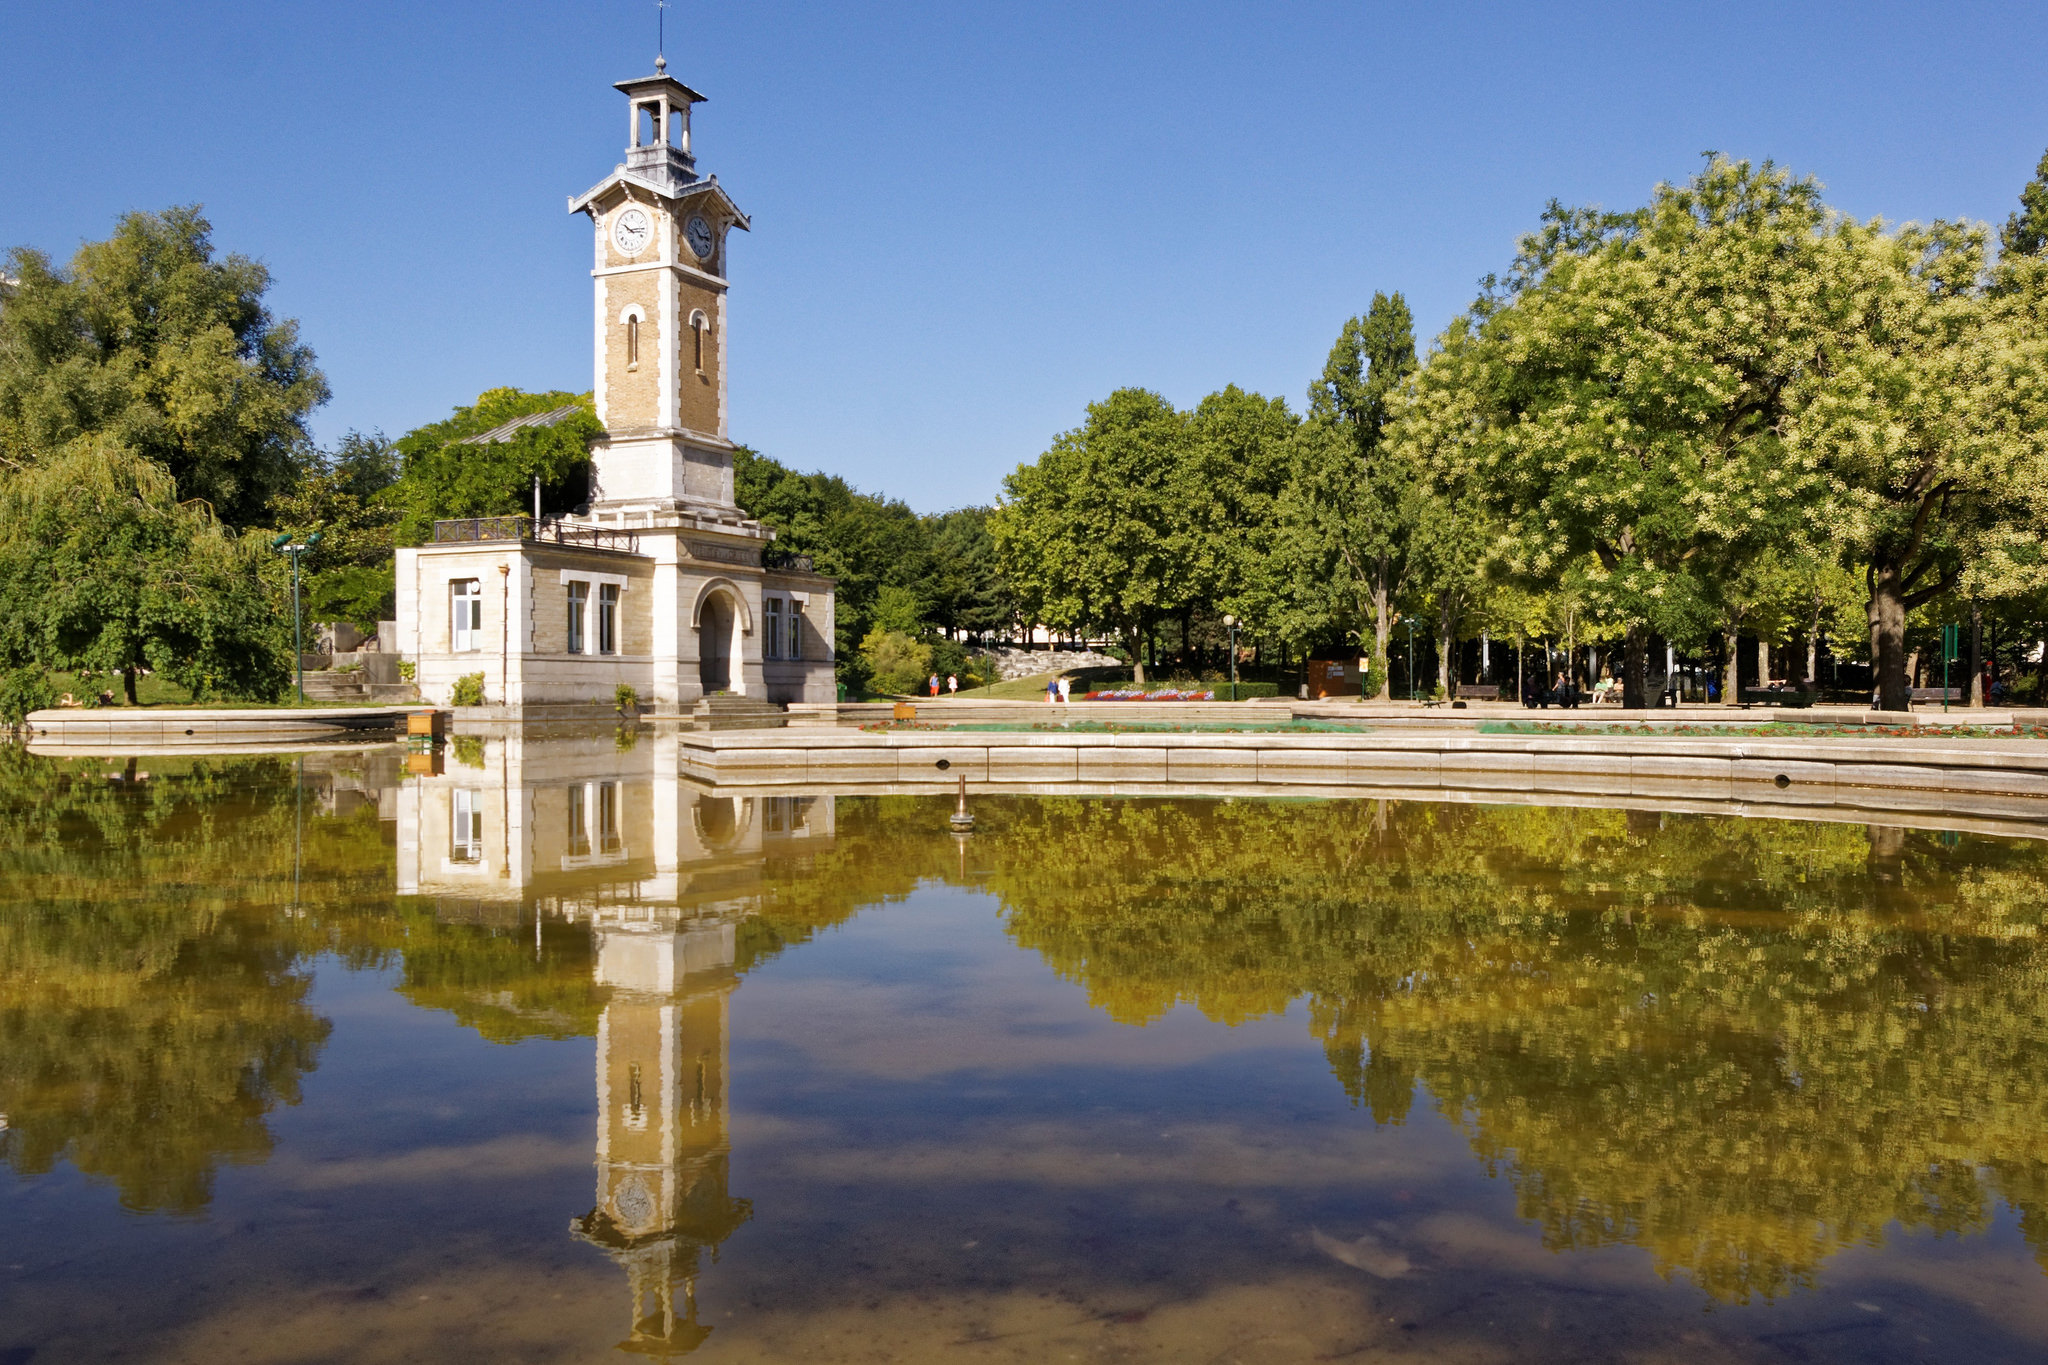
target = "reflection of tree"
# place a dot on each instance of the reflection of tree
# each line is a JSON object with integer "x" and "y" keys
{"x": 1739, "y": 1044}
{"x": 151, "y": 1007}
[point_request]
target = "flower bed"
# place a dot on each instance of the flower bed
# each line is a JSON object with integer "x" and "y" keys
{"x": 1133, "y": 694}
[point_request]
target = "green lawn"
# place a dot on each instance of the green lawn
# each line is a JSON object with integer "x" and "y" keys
{"x": 1033, "y": 687}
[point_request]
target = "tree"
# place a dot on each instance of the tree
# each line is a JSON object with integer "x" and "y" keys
{"x": 863, "y": 541}
{"x": 1928, "y": 421}
{"x": 971, "y": 597}
{"x": 445, "y": 474}
{"x": 2026, "y": 229}
{"x": 103, "y": 570}
{"x": 1244, "y": 458}
{"x": 1635, "y": 373}
{"x": 342, "y": 494}
{"x": 1349, "y": 516}
{"x": 150, "y": 340}
{"x": 1104, "y": 529}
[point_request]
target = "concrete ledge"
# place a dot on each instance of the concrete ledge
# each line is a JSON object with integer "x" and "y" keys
{"x": 195, "y": 729}
{"x": 1916, "y": 776}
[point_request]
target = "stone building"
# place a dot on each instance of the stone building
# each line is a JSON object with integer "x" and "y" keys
{"x": 661, "y": 582}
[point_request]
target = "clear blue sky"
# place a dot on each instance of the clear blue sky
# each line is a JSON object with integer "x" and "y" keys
{"x": 969, "y": 219}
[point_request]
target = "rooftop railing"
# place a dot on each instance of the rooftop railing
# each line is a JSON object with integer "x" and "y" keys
{"x": 481, "y": 529}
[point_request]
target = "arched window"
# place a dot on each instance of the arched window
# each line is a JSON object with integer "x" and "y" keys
{"x": 630, "y": 318}
{"x": 700, "y": 327}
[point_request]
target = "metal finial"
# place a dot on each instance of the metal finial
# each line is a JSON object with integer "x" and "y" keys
{"x": 660, "y": 36}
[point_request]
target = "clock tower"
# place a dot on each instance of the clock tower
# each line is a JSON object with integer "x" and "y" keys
{"x": 662, "y": 583}
{"x": 659, "y": 322}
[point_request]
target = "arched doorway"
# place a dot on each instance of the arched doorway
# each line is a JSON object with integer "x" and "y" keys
{"x": 714, "y": 644}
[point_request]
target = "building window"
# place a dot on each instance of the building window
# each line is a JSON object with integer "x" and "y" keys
{"x": 465, "y": 828}
{"x": 465, "y": 615}
{"x": 700, "y": 327}
{"x": 608, "y": 618}
{"x": 608, "y": 840}
{"x": 772, "y": 645}
{"x": 579, "y": 604}
{"x": 632, "y": 343}
{"x": 793, "y": 632}
{"x": 579, "y": 821}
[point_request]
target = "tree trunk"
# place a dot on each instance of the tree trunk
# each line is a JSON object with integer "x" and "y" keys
{"x": 1888, "y": 638}
{"x": 128, "y": 685}
{"x": 1974, "y": 655}
{"x": 1381, "y": 629}
{"x": 1731, "y": 666}
{"x": 1446, "y": 676}
{"x": 1134, "y": 644}
{"x": 1635, "y": 668}
{"x": 1763, "y": 662}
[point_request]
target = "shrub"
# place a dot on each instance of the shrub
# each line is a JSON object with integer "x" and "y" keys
{"x": 625, "y": 698}
{"x": 407, "y": 668}
{"x": 469, "y": 750}
{"x": 895, "y": 662}
{"x": 23, "y": 690}
{"x": 469, "y": 690}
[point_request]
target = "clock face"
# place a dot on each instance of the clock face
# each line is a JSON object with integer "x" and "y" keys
{"x": 634, "y": 1203}
{"x": 701, "y": 238}
{"x": 631, "y": 231}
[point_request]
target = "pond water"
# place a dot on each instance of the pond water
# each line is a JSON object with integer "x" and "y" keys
{"x": 550, "y": 1054}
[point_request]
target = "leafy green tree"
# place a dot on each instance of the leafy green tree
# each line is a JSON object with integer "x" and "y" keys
{"x": 103, "y": 570}
{"x": 864, "y": 542}
{"x": 897, "y": 662}
{"x": 2026, "y": 229}
{"x": 1104, "y": 530}
{"x": 153, "y": 342}
{"x": 1635, "y": 375}
{"x": 1348, "y": 514}
{"x": 446, "y": 475}
{"x": 1244, "y": 448}
{"x": 970, "y": 594}
{"x": 1928, "y": 423}
{"x": 342, "y": 495}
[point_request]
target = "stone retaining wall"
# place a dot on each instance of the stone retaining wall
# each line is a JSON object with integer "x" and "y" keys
{"x": 2004, "y": 778}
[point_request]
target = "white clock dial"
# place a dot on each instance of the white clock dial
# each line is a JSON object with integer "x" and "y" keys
{"x": 631, "y": 231}
{"x": 700, "y": 237}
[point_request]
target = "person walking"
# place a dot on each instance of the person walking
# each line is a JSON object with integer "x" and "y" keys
{"x": 952, "y": 684}
{"x": 933, "y": 681}
{"x": 1052, "y": 691}
{"x": 1066, "y": 689}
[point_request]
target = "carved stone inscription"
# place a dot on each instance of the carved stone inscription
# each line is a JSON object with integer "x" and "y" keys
{"x": 723, "y": 554}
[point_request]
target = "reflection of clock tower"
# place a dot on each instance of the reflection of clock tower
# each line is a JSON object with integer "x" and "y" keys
{"x": 662, "y": 1153}
{"x": 660, "y": 318}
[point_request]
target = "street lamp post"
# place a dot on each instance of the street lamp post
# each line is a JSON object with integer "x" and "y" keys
{"x": 1231, "y": 622}
{"x": 286, "y": 545}
{"x": 1411, "y": 658}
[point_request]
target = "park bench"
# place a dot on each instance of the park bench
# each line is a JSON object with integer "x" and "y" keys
{"x": 1479, "y": 691}
{"x": 1937, "y": 694}
{"x": 1775, "y": 696}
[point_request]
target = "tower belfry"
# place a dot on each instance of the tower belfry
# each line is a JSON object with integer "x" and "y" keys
{"x": 658, "y": 136}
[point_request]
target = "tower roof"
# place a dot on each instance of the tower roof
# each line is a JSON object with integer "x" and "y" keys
{"x": 661, "y": 83}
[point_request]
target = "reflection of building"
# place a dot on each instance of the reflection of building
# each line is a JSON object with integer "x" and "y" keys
{"x": 582, "y": 829}
{"x": 662, "y": 582}
{"x": 662, "y": 1154}
{"x": 663, "y": 875}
